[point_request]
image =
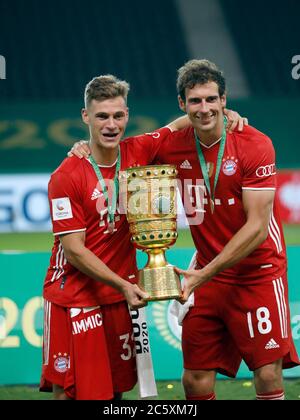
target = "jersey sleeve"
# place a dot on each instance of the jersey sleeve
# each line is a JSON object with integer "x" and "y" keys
{"x": 149, "y": 145}
{"x": 259, "y": 164}
{"x": 65, "y": 204}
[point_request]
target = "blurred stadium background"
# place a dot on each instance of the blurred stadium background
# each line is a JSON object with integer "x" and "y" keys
{"x": 48, "y": 54}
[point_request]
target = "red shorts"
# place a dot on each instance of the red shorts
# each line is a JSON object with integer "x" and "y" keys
{"x": 104, "y": 352}
{"x": 120, "y": 344}
{"x": 75, "y": 354}
{"x": 232, "y": 322}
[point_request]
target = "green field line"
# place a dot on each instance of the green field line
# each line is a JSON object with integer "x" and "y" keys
{"x": 167, "y": 390}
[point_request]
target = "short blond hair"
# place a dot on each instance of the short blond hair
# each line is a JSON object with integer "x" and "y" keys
{"x": 105, "y": 87}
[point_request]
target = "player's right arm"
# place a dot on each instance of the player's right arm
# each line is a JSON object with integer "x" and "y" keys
{"x": 86, "y": 262}
{"x": 81, "y": 148}
{"x": 66, "y": 190}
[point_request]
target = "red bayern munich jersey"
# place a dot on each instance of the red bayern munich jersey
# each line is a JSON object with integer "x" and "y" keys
{"x": 248, "y": 163}
{"x": 77, "y": 204}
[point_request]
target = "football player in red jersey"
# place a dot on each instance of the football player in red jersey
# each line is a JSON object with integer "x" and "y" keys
{"x": 87, "y": 264}
{"x": 241, "y": 310}
{"x": 239, "y": 307}
{"x": 88, "y": 337}
{"x": 93, "y": 243}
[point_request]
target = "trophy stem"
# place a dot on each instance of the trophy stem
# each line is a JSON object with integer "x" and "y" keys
{"x": 156, "y": 257}
{"x": 158, "y": 278}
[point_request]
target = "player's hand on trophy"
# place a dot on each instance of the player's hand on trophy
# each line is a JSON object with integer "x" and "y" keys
{"x": 80, "y": 149}
{"x": 234, "y": 120}
{"x": 192, "y": 280}
{"x": 135, "y": 296}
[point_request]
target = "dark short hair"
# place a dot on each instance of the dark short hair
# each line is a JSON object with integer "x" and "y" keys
{"x": 199, "y": 72}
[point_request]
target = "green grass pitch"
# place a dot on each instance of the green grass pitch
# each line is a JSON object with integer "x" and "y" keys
{"x": 167, "y": 390}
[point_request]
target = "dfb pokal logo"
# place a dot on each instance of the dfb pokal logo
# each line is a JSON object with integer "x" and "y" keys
{"x": 2, "y": 67}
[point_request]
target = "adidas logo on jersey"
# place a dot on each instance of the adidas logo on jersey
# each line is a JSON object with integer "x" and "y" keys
{"x": 272, "y": 345}
{"x": 96, "y": 194}
{"x": 186, "y": 165}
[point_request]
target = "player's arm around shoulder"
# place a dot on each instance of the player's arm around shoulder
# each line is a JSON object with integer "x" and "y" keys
{"x": 81, "y": 149}
{"x": 234, "y": 121}
{"x": 179, "y": 124}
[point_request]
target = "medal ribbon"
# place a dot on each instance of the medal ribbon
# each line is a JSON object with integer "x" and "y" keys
{"x": 204, "y": 165}
{"x": 110, "y": 207}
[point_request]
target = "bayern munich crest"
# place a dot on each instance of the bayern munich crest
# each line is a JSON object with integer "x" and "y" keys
{"x": 229, "y": 166}
{"x": 61, "y": 363}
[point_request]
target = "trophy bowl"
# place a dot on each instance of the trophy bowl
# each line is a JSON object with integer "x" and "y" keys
{"x": 151, "y": 198}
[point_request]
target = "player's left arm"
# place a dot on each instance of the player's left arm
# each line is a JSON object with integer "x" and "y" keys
{"x": 258, "y": 207}
{"x": 81, "y": 148}
{"x": 234, "y": 120}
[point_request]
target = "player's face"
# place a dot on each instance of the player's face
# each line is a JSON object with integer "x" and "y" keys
{"x": 204, "y": 106}
{"x": 107, "y": 121}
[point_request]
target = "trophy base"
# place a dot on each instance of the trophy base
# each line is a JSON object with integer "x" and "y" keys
{"x": 160, "y": 283}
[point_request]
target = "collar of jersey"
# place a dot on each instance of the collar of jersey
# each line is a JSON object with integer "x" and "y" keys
{"x": 211, "y": 145}
{"x": 104, "y": 166}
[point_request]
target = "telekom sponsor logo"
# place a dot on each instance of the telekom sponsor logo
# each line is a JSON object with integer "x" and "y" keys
{"x": 264, "y": 171}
